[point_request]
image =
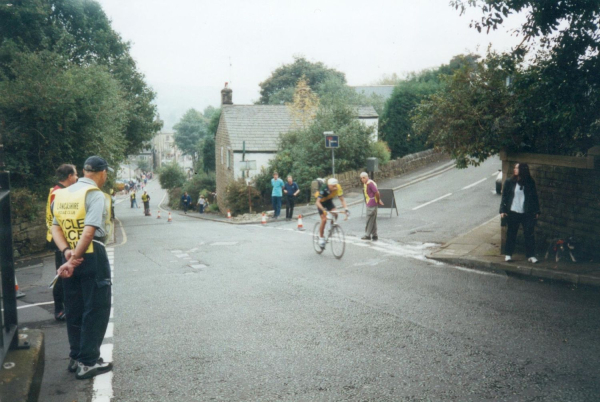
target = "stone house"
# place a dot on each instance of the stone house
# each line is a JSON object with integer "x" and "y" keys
{"x": 251, "y": 133}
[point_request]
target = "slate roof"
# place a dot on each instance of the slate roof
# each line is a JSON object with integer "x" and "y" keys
{"x": 382, "y": 90}
{"x": 261, "y": 125}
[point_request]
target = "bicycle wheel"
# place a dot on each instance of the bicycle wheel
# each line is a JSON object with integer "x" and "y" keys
{"x": 318, "y": 248}
{"x": 338, "y": 241}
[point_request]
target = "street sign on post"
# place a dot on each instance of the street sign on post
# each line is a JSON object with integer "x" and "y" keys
{"x": 332, "y": 141}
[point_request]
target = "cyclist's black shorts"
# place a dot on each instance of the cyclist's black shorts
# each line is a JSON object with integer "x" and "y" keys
{"x": 328, "y": 205}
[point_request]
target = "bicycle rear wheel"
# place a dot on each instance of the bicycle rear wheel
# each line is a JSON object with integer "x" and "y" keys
{"x": 318, "y": 248}
{"x": 338, "y": 241}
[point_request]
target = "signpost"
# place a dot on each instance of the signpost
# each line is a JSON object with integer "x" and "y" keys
{"x": 332, "y": 141}
{"x": 247, "y": 166}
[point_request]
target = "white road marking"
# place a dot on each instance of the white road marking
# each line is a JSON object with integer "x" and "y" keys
{"x": 102, "y": 390}
{"x": 432, "y": 201}
{"x": 192, "y": 250}
{"x": 181, "y": 255}
{"x": 495, "y": 174}
{"x": 224, "y": 243}
{"x": 33, "y": 305}
{"x": 474, "y": 184}
{"x": 198, "y": 266}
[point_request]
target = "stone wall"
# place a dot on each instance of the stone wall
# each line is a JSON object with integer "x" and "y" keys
{"x": 29, "y": 237}
{"x": 224, "y": 174}
{"x": 569, "y": 193}
{"x": 393, "y": 168}
{"x": 396, "y": 167}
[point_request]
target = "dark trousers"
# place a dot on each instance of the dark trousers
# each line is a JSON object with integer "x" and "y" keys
{"x": 57, "y": 290}
{"x": 201, "y": 208}
{"x": 514, "y": 221}
{"x": 147, "y": 208}
{"x": 276, "y": 201}
{"x": 87, "y": 302}
{"x": 289, "y": 207}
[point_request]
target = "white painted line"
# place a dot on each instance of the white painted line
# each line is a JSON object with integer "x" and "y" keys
{"x": 495, "y": 174}
{"x": 431, "y": 202}
{"x": 474, "y": 184}
{"x": 181, "y": 255}
{"x": 198, "y": 266}
{"x": 33, "y": 305}
{"x": 192, "y": 250}
{"x": 112, "y": 312}
{"x": 224, "y": 243}
{"x": 106, "y": 351}
{"x": 103, "y": 391}
{"x": 109, "y": 330}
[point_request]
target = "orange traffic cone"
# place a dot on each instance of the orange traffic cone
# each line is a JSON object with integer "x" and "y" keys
{"x": 264, "y": 219}
{"x": 17, "y": 291}
{"x": 300, "y": 226}
{"x": 170, "y": 219}
{"x": 228, "y": 214}
{"x": 158, "y": 217}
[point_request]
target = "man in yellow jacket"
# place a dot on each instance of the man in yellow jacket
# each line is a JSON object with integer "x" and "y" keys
{"x": 80, "y": 227}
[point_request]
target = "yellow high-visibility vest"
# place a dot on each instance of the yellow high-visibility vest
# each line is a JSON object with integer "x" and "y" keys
{"x": 49, "y": 217}
{"x": 69, "y": 211}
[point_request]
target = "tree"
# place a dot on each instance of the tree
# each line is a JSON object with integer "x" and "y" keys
{"x": 279, "y": 87}
{"x": 171, "y": 176}
{"x": 209, "y": 112}
{"x": 550, "y": 103}
{"x": 395, "y": 120}
{"x": 208, "y": 154}
{"x": 189, "y": 131}
{"x": 304, "y": 105}
{"x": 80, "y": 32}
{"x": 52, "y": 112}
{"x": 143, "y": 164}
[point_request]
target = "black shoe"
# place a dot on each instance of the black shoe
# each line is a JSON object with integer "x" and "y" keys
{"x": 366, "y": 238}
{"x": 60, "y": 316}
{"x": 375, "y": 238}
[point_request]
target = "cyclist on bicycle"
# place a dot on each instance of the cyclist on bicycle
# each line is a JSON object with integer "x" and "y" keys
{"x": 325, "y": 197}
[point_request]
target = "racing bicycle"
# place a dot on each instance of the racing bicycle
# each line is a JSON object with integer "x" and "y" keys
{"x": 333, "y": 234}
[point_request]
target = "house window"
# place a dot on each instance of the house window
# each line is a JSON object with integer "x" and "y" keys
{"x": 221, "y": 155}
{"x": 228, "y": 159}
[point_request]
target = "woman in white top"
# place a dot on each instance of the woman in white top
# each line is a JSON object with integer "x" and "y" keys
{"x": 520, "y": 206}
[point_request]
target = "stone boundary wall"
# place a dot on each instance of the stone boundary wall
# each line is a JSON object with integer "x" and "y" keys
{"x": 406, "y": 164}
{"x": 569, "y": 193}
{"x": 393, "y": 168}
{"x": 29, "y": 237}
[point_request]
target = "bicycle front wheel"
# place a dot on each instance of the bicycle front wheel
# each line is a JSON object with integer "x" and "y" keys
{"x": 338, "y": 241}
{"x": 316, "y": 230}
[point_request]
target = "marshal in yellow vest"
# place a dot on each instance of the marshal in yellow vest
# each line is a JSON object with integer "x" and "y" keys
{"x": 69, "y": 211}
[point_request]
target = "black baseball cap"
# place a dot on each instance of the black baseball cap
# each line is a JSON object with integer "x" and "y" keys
{"x": 96, "y": 164}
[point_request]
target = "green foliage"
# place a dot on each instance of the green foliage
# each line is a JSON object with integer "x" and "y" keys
{"x": 395, "y": 121}
{"x": 210, "y": 111}
{"x": 171, "y": 176}
{"x": 279, "y": 87}
{"x": 25, "y": 205}
{"x": 208, "y": 154}
{"x": 80, "y": 32}
{"x": 303, "y": 155}
{"x": 381, "y": 151}
{"x": 53, "y": 112}
{"x": 213, "y": 125}
{"x": 212, "y": 208}
{"x": 201, "y": 182}
{"x": 189, "y": 131}
{"x": 237, "y": 196}
{"x": 175, "y": 197}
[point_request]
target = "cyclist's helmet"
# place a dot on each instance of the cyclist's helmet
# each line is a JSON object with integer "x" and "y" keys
{"x": 332, "y": 181}
{"x": 320, "y": 180}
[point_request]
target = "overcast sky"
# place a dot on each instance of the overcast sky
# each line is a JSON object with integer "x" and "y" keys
{"x": 189, "y": 48}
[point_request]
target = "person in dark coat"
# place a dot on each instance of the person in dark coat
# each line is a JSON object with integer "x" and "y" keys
{"x": 520, "y": 206}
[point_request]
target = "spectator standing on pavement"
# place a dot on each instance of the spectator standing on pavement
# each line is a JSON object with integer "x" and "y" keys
{"x": 67, "y": 176}
{"x": 186, "y": 201}
{"x": 373, "y": 200}
{"x": 133, "y": 199}
{"x": 146, "y": 201}
{"x": 276, "y": 194}
{"x": 202, "y": 203}
{"x": 82, "y": 215}
{"x": 520, "y": 206}
{"x": 291, "y": 191}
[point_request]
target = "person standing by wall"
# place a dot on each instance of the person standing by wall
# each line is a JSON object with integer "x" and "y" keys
{"x": 276, "y": 194}
{"x": 201, "y": 204}
{"x": 82, "y": 215}
{"x": 520, "y": 206}
{"x": 291, "y": 191}
{"x": 373, "y": 200}
{"x": 186, "y": 202}
{"x": 67, "y": 176}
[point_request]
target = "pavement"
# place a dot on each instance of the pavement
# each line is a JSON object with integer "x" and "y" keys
{"x": 480, "y": 249}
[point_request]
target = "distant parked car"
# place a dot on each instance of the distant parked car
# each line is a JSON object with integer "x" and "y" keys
{"x": 499, "y": 182}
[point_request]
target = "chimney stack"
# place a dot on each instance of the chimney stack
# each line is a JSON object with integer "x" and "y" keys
{"x": 226, "y": 96}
